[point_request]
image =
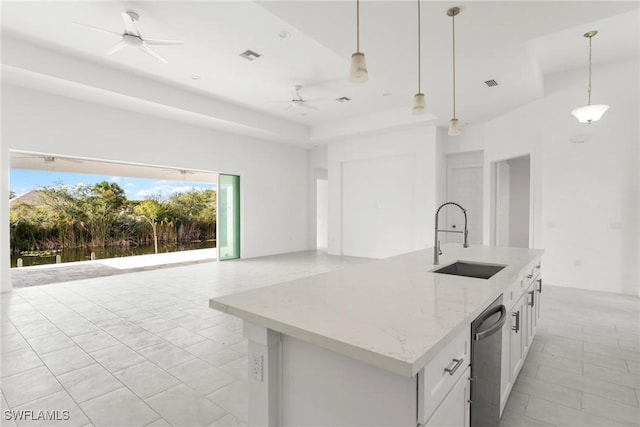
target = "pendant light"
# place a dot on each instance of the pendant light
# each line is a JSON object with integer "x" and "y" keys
{"x": 454, "y": 124}
{"x": 589, "y": 113}
{"x": 419, "y": 106}
{"x": 358, "y": 72}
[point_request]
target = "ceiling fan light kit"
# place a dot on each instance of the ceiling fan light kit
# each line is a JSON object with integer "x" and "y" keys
{"x": 358, "y": 72}
{"x": 590, "y": 113}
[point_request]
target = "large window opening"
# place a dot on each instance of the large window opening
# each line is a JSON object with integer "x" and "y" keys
{"x": 65, "y": 209}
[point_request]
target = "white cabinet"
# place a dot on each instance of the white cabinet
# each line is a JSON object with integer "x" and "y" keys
{"x": 442, "y": 373}
{"x": 454, "y": 411}
{"x": 516, "y": 338}
{"x": 522, "y": 300}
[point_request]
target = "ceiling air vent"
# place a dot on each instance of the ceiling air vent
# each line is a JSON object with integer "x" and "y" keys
{"x": 491, "y": 83}
{"x": 250, "y": 55}
{"x": 343, "y": 99}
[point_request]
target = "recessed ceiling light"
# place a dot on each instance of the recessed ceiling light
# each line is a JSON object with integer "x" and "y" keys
{"x": 386, "y": 94}
{"x": 195, "y": 77}
{"x": 250, "y": 55}
{"x": 491, "y": 83}
{"x": 343, "y": 99}
{"x": 284, "y": 34}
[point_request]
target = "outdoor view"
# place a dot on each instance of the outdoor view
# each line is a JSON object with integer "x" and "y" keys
{"x": 73, "y": 215}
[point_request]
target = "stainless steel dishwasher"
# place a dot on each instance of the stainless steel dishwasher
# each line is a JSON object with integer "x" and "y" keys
{"x": 486, "y": 347}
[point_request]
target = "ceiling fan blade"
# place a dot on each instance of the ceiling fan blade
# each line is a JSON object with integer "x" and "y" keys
{"x": 162, "y": 41}
{"x": 305, "y": 105}
{"x": 146, "y": 49}
{"x": 129, "y": 24}
{"x": 102, "y": 30}
{"x": 279, "y": 101}
{"x": 116, "y": 47}
{"x": 313, "y": 99}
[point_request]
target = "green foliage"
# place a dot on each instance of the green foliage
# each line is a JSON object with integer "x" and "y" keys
{"x": 12, "y": 194}
{"x": 100, "y": 215}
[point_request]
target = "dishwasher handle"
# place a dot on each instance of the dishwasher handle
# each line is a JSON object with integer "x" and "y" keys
{"x": 496, "y": 326}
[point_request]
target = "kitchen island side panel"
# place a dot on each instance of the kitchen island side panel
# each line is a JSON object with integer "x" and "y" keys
{"x": 321, "y": 388}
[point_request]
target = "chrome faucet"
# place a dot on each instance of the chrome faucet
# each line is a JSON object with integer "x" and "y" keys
{"x": 436, "y": 246}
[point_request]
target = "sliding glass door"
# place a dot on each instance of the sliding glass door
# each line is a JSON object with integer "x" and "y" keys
{"x": 228, "y": 217}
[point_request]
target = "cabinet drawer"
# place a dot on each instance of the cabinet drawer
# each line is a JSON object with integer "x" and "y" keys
{"x": 442, "y": 373}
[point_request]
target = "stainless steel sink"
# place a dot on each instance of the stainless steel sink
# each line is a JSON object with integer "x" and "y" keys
{"x": 470, "y": 269}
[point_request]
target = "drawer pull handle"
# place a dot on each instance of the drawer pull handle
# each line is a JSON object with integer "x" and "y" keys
{"x": 456, "y": 364}
{"x": 529, "y": 276}
{"x": 533, "y": 298}
{"x": 517, "y": 316}
{"x": 540, "y": 287}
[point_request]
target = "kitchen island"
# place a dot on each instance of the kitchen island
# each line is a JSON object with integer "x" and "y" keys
{"x": 371, "y": 344}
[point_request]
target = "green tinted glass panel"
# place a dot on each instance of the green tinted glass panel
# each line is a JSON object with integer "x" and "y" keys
{"x": 229, "y": 217}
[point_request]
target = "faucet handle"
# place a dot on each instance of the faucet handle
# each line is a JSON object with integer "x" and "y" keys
{"x": 438, "y": 248}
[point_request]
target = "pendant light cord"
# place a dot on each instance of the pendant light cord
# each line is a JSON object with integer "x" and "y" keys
{"x": 453, "y": 28}
{"x": 357, "y": 25}
{"x": 589, "y": 85}
{"x": 419, "y": 60}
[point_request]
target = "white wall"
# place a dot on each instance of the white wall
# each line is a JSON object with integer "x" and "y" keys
{"x": 274, "y": 176}
{"x": 382, "y": 169}
{"x": 586, "y": 197}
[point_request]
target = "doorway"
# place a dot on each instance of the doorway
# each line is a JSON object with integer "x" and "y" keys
{"x": 322, "y": 214}
{"x": 511, "y": 193}
{"x": 464, "y": 186}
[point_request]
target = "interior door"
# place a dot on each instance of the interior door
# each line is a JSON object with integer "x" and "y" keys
{"x": 464, "y": 186}
{"x": 228, "y": 236}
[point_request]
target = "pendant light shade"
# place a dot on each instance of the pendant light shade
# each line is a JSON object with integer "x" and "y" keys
{"x": 590, "y": 113}
{"x": 419, "y": 105}
{"x": 358, "y": 72}
{"x": 454, "y": 127}
{"x": 454, "y": 124}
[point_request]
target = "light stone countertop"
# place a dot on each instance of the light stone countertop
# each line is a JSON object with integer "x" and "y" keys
{"x": 393, "y": 313}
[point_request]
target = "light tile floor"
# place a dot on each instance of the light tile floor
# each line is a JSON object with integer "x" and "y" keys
{"x": 144, "y": 349}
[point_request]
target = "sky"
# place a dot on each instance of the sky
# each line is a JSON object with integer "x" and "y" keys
{"x": 23, "y": 181}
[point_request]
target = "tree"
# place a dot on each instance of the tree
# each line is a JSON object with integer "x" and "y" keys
{"x": 12, "y": 194}
{"x": 103, "y": 204}
{"x": 151, "y": 211}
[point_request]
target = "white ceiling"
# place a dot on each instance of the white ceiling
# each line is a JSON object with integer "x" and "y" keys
{"x": 515, "y": 43}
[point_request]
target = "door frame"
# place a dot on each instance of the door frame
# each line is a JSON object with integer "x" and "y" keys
{"x": 493, "y": 167}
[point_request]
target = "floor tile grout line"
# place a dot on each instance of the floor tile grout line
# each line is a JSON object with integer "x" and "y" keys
{"x": 56, "y": 378}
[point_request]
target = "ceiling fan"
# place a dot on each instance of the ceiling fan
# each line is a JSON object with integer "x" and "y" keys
{"x": 132, "y": 37}
{"x": 298, "y": 101}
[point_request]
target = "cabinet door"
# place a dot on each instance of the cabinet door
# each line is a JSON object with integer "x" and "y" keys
{"x": 505, "y": 366}
{"x": 532, "y": 302}
{"x": 516, "y": 339}
{"x": 538, "y": 285}
{"x": 454, "y": 409}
